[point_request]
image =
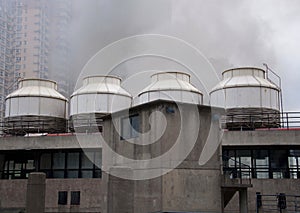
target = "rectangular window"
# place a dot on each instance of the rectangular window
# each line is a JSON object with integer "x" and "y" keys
{"x": 58, "y": 160}
{"x": 72, "y": 164}
{"x": 75, "y": 198}
{"x": 294, "y": 164}
{"x": 62, "y": 198}
{"x": 130, "y": 127}
{"x": 58, "y": 165}
{"x": 279, "y": 164}
{"x": 261, "y": 164}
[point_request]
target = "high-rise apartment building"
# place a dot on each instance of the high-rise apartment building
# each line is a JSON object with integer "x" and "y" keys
{"x": 34, "y": 43}
{"x": 32, "y": 40}
{"x": 60, "y": 13}
{"x": 7, "y": 49}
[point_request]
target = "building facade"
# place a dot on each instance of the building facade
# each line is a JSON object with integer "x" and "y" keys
{"x": 34, "y": 43}
{"x": 248, "y": 162}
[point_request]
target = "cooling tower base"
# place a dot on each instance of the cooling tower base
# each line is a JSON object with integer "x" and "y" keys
{"x": 251, "y": 118}
{"x": 21, "y": 125}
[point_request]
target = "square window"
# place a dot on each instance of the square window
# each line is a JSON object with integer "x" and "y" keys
{"x": 130, "y": 127}
{"x": 62, "y": 198}
{"x": 75, "y": 198}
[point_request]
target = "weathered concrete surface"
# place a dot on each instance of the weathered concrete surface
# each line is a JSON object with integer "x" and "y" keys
{"x": 189, "y": 187}
{"x": 148, "y": 195}
{"x": 93, "y": 194}
{"x": 36, "y": 192}
{"x": 50, "y": 142}
{"x": 120, "y": 192}
{"x": 261, "y": 137}
{"x": 189, "y": 190}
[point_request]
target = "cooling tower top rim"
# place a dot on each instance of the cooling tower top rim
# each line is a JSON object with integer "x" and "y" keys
{"x": 170, "y": 72}
{"x": 244, "y": 68}
{"x": 21, "y": 81}
{"x": 103, "y": 76}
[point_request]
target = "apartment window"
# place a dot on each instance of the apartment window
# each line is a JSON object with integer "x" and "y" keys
{"x": 62, "y": 198}
{"x": 130, "y": 127}
{"x": 75, "y": 198}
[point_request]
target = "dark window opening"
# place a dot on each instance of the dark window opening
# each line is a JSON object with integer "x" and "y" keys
{"x": 62, "y": 198}
{"x": 130, "y": 127}
{"x": 75, "y": 198}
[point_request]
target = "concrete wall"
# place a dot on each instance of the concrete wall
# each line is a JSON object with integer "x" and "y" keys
{"x": 191, "y": 190}
{"x": 50, "y": 142}
{"x": 190, "y": 186}
{"x": 93, "y": 194}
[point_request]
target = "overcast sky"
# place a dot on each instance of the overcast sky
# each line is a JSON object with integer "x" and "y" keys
{"x": 229, "y": 33}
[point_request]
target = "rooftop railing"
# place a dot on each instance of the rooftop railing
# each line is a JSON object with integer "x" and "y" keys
{"x": 277, "y": 203}
{"x": 271, "y": 121}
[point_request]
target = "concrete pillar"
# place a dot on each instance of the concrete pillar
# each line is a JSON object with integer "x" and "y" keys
{"x": 120, "y": 191}
{"x": 36, "y": 191}
{"x": 243, "y": 201}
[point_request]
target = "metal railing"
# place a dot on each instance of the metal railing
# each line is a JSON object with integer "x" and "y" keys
{"x": 238, "y": 175}
{"x": 285, "y": 120}
{"x": 274, "y": 203}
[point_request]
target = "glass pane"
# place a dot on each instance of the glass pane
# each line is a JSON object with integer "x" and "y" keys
{"x": 261, "y": 159}
{"x": 86, "y": 160}
{"x": 75, "y": 198}
{"x": 58, "y": 174}
{"x": 58, "y": 160}
{"x": 11, "y": 165}
{"x": 30, "y": 164}
{"x": 262, "y": 174}
{"x": 18, "y": 166}
{"x": 278, "y": 175}
{"x": 45, "y": 162}
{"x": 6, "y": 165}
{"x": 278, "y": 159}
{"x": 98, "y": 159}
{"x": 72, "y": 174}
{"x": 62, "y": 198}
{"x": 125, "y": 128}
{"x": 261, "y": 164}
{"x": 87, "y": 174}
{"x": 135, "y": 126}
{"x": 98, "y": 174}
{"x": 73, "y": 160}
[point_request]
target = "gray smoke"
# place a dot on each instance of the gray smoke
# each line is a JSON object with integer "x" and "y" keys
{"x": 229, "y": 33}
